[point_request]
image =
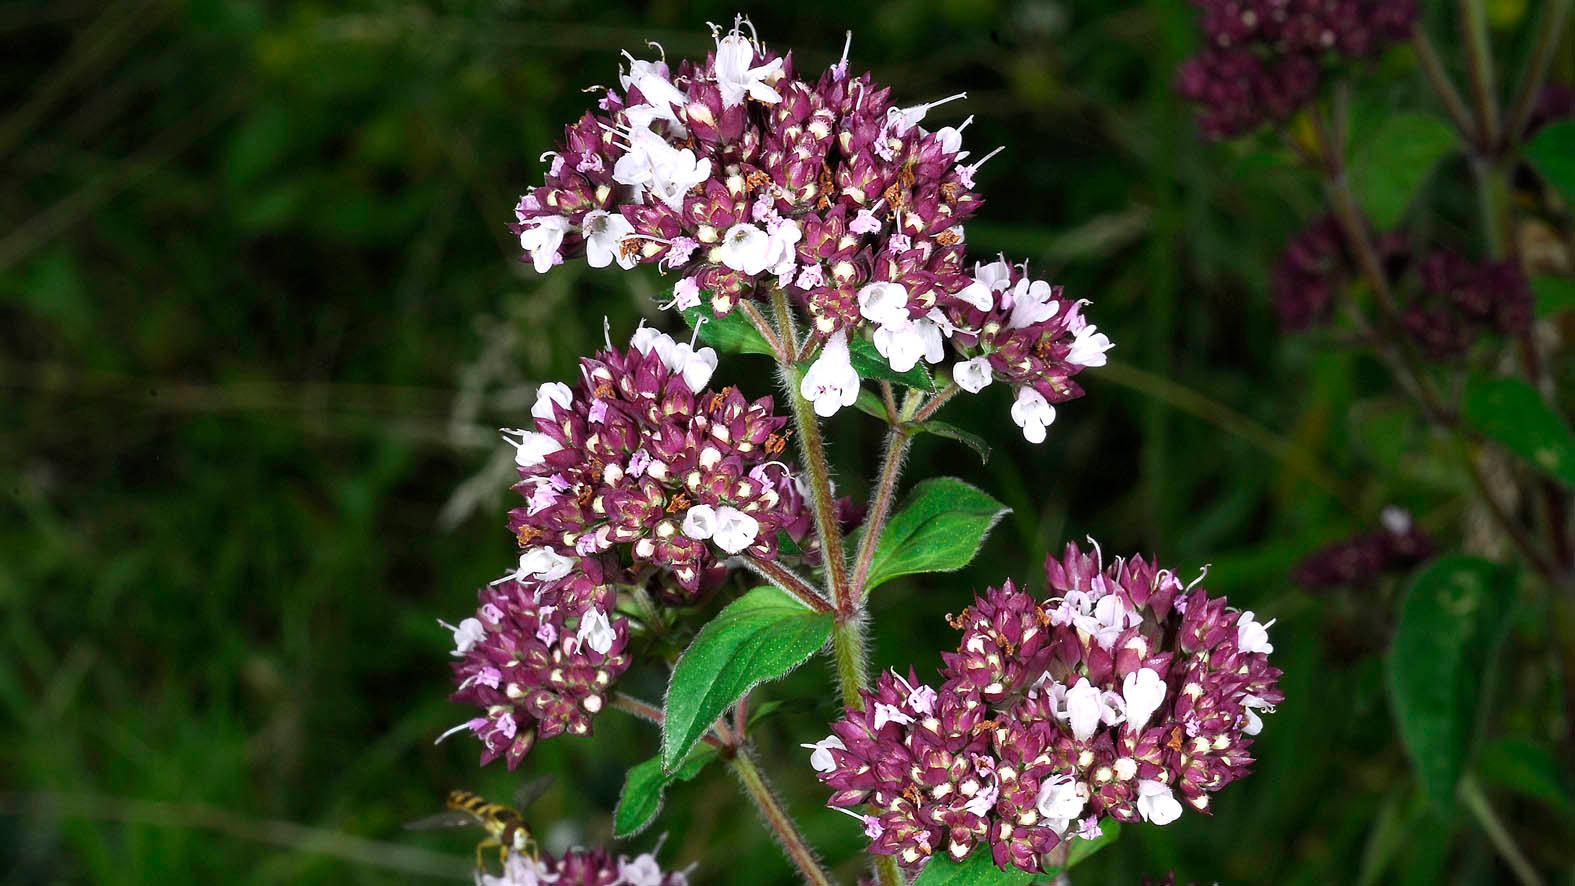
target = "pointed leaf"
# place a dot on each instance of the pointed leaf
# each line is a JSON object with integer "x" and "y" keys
{"x": 733, "y": 334}
{"x": 952, "y": 432}
{"x": 760, "y": 636}
{"x": 978, "y": 869}
{"x": 1391, "y": 168}
{"x": 645, "y": 787}
{"x": 1512, "y": 413}
{"x": 1451, "y": 624}
{"x": 1528, "y": 768}
{"x": 939, "y": 527}
{"x": 869, "y": 363}
{"x": 1552, "y": 152}
{"x": 1109, "y": 832}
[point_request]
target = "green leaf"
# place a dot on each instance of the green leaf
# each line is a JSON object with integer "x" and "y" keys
{"x": 952, "y": 432}
{"x": 733, "y": 334}
{"x": 760, "y": 636}
{"x": 939, "y": 528}
{"x": 1555, "y": 295}
{"x": 869, "y": 363}
{"x": 869, "y": 404}
{"x": 978, "y": 869}
{"x": 1109, "y": 832}
{"x": 1527, "y": 768}
{"x": 1452, "y": 621}
{"x": 1552, "y": 152}
{"x": 1392, "y": 166}
{"x": 645, "y": 787}
{"x": 1512, "y": 413}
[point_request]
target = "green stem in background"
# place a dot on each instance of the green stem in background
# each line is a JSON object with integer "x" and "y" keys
{"x": 781, "y": 824}
{"x": 813, "y": 448}
{"x": 1484, "y": 86}
{"x": 1549, "y": 31}
{"x": 1477, "y": 802}
{"x": 1443, "y": 86}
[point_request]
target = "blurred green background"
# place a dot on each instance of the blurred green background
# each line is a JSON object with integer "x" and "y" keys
{"x": 260, "y": 314}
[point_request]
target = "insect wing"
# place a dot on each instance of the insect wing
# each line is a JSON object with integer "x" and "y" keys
{"x": 453, "y": 818}
{"x": 531, "y": 791}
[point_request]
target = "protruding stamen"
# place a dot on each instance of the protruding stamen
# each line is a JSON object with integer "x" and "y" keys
{"x": 695, "y": 336}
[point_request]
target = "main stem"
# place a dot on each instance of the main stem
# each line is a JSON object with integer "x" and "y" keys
{"x": 782, "y": 824}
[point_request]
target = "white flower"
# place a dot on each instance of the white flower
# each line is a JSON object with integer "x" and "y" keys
{"x": 973, "y": 375}
{"x": 1061, "y": 799}
{"x": 821, "y": 760}
{"x": 604, "y": 231}
{"x": 1089, "y": 347}
{"x": 1143, "y": 691}
{"x": 543, "y": 563}
{"x": 694, "y": 366}
{"x": 784, "y": 235}
{"x": 542, "y": 238}
{"x": 988, "y": 280}
{"x": 745, "y": 248}
{"x": 700, "y": 522}
{"x": 532, "y": 448}
{"x": 1084, "y": 708}
{"x": 643, "y": 871}
{"x": 982, "y": 802}
{"x": 1254, "y": 723}
{"x": 595, "y": 631}
{"x": 1033, "y": 301}
{"x": 884, "y": 303}
{"x": 735, "y": 530}
{"x": 950, "y": 140}
{"x": 519, "y": 870}
{"x": 885, "y": 713}
{"x": 831, "y": 383}
{"x": 653, "y": 164}
{"x": 679, "y": 172}
{"x": 1156, "y": 803}
{"x": 1252, "y": 636}
{"x": 903, "y": 344}
{"x": 1033, "y": 413}
{"x": 466, "y": 636}
{"x": 550, "y": 397}
{"x": 1397, "y": 521}
{"x": 1110, "y": 617}
{"x": 686, "y": 294}
{"x": 639, "y": 67}
{"x": 736, "y": 79}
{"x": 662, "y": 98}
{"x": 646, "y": 337}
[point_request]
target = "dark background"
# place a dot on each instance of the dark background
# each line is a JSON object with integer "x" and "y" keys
{"x": 260, "y": 313}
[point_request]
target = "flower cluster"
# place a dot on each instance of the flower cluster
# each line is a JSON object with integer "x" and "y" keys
{"x": 640, "y": 459}
{"x": 1124, "y": 695}
{"x": 741, "y": 175}
{"x": 1317, "y": 264}
{"x": 538, "y": 659}
{"x": 744, "y": 178}
{"x": 1362, "y": 559}
{"x": 1461, "y": 299}
{"x": 1264, "y": 59}
{"x": 583, "y": 867}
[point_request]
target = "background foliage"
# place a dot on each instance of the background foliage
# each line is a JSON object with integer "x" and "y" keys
{"x": 260, "y": 315}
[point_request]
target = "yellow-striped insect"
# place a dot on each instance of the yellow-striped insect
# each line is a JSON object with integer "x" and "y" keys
{"x": 505, "y": 825}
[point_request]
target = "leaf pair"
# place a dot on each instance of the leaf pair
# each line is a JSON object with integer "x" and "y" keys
{"x": 979, "y": 869}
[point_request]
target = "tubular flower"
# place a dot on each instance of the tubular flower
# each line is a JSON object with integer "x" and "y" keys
{"x": 1027, "y": 334}
{"x": 1264, "y": 58}
{"x": 540, "y": 660}
{"x": 583, "y": 867}
{"x": 740, "y": 175}
{"x": 641, "y": 460}
{"x": 1123, "y": 695}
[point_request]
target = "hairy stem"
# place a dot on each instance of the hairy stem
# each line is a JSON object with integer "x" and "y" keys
{"x": 653, "y": 714}
{"x": 781, "y": 824}
{"x": 847, "y": 649}
{"x": 813, "y": 449}
{"x": 789, "y": 581}
{"x": 1549, "y": 31}
{"x": 884, "y": 493}
{"x": 1477, "y": 802}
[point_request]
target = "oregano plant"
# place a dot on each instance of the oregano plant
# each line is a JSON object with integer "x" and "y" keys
{"x": 814, "y": 226}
